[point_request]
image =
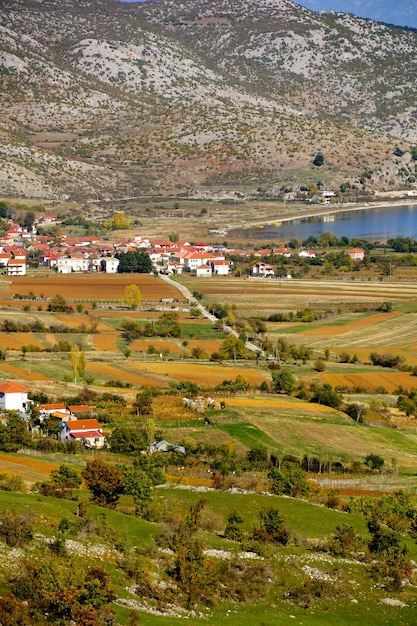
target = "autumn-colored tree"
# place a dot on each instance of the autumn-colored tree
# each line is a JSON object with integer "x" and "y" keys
{"x": 119, "y": 221}
{"x": 133, "y": 296}
{"x": 104, "y": 481}
{"x": 78, "y": 362}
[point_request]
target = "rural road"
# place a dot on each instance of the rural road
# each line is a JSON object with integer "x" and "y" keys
{"x": 189, "y": 296}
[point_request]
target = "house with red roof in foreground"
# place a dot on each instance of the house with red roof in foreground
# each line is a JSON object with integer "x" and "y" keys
{"x": 14, "y": 397}
{"x": 88, "y": 432}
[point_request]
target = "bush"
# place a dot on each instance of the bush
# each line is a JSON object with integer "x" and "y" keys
{"x": 16, "y": 528}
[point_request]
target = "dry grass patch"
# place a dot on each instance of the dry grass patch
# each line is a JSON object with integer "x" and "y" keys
{"x": 371, "y": 381}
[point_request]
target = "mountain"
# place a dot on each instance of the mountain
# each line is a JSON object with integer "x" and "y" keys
{"x": 400, "y": 12}
{"x": 106, "y": 99}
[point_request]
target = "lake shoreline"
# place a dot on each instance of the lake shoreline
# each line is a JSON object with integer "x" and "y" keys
{"x": 326, "y": 210}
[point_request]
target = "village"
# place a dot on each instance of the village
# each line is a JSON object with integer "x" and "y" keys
{"x": 90, "y": 254}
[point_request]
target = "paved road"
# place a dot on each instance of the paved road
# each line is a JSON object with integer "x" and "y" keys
{"x": 189, "y": 296}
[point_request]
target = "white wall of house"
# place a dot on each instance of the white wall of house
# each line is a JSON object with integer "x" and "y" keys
{"x": 13, "y": 401}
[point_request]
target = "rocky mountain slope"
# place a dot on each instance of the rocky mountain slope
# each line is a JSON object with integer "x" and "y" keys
{"x": 105, "y": 99}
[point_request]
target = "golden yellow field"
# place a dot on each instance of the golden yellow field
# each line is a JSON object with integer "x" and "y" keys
{"x": 276, "y": 402}
{"x": 204, "y": 374}
{"x": 118, "y": 373}
{"x": 141, "y": 345}
{"x": 364, "y": 322}
{"x": 371, "y": 381}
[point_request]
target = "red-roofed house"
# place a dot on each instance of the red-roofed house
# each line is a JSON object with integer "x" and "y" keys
{"x": 356, "y": 254}
{"x": 262, "y": 269}
{"x": 16, "y": 267}
{"x": 14, "y": 397}
{"x": 87, "y": 432}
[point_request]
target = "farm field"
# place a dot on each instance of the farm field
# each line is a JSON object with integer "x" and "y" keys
{"x": 90, "y": 287}
{"x": 205, "y": 374}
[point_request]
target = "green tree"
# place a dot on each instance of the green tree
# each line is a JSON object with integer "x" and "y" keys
{"x": 284, "y": 381}
{"x": 233, "y": 348}
{"x": 137, "y": 484}
{"x": 128, "y": 440}
{"x": 65, "y": 474}
{"x": 233, "y": 529}
{"x": 289, "y": 480}
{"x": 272, "y": 526}
{"x": 14, "y": 433}
{"x": 104, "y": 481}
{"x": 318, "y": 160}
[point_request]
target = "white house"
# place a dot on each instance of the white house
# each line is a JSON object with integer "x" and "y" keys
{"x": 307, "y": 254}
{"x": 16, "y": 267}
{"x": 356, "y": 254}
{"x": 262, "y": 269}
{"x": 203, "y": 271}
{"x": 87, "y": 432}
{"x": 221, "y": 268}
{"x": 109, "y": 265}
{"x": 14, "y": 397}
{"x": 76, "y": 263}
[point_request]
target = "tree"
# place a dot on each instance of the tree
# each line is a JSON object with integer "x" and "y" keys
{"x": 65, "y": 474}
{"x": 289, "y": 480}
{"x": 14, "y": 434}
{"x": 374, "y": 461}
{"x": 233, "y": 529}
{"x": 104, "y": 481}
{"x": 284, "y": 381}
{"x": 272, "y": 526}
{"x": 133, "y": 296}
{"x": 325, "y": 394}
{"x": 134, "y": 262}
{"x": 128, "y": 440}
{"x": 78, "y": 363}
{"x": 29, "y": 220}
{"x": 233, "y": 348}
{"x": 119, "y": 221}
{"x": 138, "y": 484}
{"x": 58, "y": 304}
{"x": 174, "y": 237}
{"x": 318, "y": 160}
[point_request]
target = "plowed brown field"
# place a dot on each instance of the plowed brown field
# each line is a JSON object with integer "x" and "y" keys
{"x": 93, "y": 286}
{"x": 15, "y": 341}
{"x": 106, "y": 342}
{"x": 19, "y": 372}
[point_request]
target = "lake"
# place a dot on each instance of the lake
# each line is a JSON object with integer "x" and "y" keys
{"x": 373, "y": 224}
